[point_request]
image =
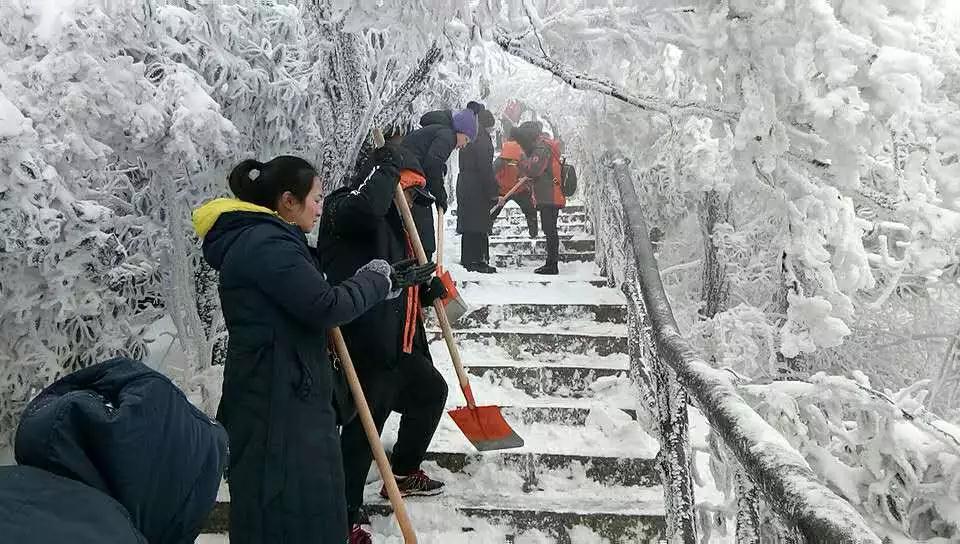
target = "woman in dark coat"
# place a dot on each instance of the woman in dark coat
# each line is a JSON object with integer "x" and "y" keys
{"x": 285, "y": 472}
{"x": 476, "y": 193}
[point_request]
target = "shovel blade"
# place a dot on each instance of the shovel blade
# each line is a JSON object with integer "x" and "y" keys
{"x": 454, "y": 304}
{"x": 485, "y": 428}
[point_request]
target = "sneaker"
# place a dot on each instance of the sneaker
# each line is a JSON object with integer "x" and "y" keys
{"x": 417, "y": 484}
{"x": 358, "y": 535}
{"x": 547, "y": 269}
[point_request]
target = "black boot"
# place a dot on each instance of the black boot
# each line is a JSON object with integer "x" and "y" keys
{"x": 549, "y": 269}
{"x": 482, "y": 268}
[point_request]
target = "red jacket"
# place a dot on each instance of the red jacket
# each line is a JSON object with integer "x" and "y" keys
{"x": 542, "y": 166}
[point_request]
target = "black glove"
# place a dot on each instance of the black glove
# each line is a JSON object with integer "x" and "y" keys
{"x": 433, "y": 292}
{"x": 389, "y": 153}
{"x": 407, "y": 273}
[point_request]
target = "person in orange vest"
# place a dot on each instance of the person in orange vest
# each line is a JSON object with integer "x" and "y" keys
{"x": 542, "y": 165}
{"x": 507, "y": 171}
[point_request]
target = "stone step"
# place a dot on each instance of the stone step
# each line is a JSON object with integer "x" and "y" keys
{"x": 512, "y": 209}
{"x": 552, "y": 380}
{"x": 518, "y": 260}
{"x": 573, "y": 220}
{"x": 635, "y": 515}
{"x": 543, "y": 314}
{"x": 521, "y": 231}
{"x": 619, "y": 471}
{"x": 534, "y": 343}
{"x": 539, "y": 246}
{"x": 573, "y": 416}
{"x": 564, "y": 219}
{"x": 504, "y": 280}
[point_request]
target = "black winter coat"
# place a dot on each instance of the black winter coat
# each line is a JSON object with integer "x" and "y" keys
{"x": 286, "y": 471}
{"x": 361, "y": 223}
{"x": 476, "y": 185}
{"x": 431, "y": 146}
{"x": 113, "y": 453}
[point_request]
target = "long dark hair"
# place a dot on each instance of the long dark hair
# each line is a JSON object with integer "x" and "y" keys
{"x": 262, "y": 183}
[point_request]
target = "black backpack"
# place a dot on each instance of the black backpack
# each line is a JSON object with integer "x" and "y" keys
{"x": 568, "y": 178}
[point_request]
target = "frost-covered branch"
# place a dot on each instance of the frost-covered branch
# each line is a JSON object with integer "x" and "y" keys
{"x": 586, "y": 82}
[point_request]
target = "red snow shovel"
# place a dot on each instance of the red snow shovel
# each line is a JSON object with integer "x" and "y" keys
{"x": 373, "y": 437}
{"x": 453, "y": 302}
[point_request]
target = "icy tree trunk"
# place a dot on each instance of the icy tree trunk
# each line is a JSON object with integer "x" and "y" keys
{"x": 944, "y": 391}
{"x": 714, "y": 209}
{"x": 791, "y": 281}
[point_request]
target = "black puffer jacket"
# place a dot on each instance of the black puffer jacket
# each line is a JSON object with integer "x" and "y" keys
{"x": 431, "y": 146}
{"x": 110, "y": 453}
{"x": 360, "y": 222}
{"x": 286, "y": 472}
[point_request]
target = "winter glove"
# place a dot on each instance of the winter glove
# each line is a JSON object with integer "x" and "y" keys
{"x": 384, "y": 269}
{"x": 407, "y": 273}
{"x": 389, "y": 153}
{"x": 433, "y": 292}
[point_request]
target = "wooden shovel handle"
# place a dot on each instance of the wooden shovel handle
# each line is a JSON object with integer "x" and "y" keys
{"x": 421, "y": 255}
{"x": 439, "y": 239}
{"x": 363, "y": 412}
{"x": 514, "y": 189}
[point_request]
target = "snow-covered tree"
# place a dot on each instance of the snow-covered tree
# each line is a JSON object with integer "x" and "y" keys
{"x": 118, "y": 117}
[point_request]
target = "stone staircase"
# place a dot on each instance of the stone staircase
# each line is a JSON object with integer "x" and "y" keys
{"x": 551, "y": 351}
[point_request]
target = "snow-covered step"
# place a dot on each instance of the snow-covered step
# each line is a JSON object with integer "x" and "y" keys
{"x": 620, "y": 471}
{"x": 504, "y": 279}
{"x": 565, "y": 218}
{"x": 512, "y": 209}
{"x": 528, "y": 259}
{"x": 544, "y": 314}
{"x": 516, "y": 244}
{"x": 520, "y": 230}
{"x": 525, "y": 287}
{"x": 610, "y": 433}
{"x": 536, "y": 381}
{"x": 534, "y": 342}
{"x": 619, "y": 513}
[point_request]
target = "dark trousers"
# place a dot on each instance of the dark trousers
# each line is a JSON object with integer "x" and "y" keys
{"x": 529, "y": 211}
{"x": 474, "y": 248}
{"x": 548, "y": 219}
{"x": 413, "y": 388}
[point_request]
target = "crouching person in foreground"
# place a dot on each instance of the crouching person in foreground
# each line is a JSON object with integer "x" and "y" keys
{"x": 278, "y": 404}
{"x": 111, "y": 454}
{"x": 388, "y": 344}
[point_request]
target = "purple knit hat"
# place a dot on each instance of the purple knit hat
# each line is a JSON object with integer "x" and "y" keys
{"x": 465, "y": 122}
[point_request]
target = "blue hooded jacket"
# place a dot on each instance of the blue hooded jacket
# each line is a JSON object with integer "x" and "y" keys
{"x": 109, "y": 453}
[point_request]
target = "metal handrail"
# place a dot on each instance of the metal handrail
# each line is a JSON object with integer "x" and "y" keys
{"x": 780, "y": 474}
